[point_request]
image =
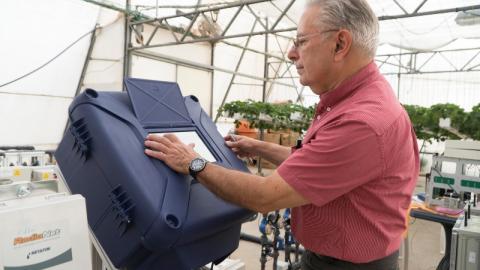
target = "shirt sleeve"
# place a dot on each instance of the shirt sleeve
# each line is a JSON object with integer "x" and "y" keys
{"x": 339, "y": 158}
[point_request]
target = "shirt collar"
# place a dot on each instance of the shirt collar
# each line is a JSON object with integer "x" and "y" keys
{"x": 348, "y": 86}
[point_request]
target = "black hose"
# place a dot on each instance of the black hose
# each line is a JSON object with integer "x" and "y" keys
{"x": 256, "y": 239}
{"x": 22, "y": 147}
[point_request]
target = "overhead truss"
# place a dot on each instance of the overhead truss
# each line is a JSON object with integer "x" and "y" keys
{"x": 406, "y": 63}
{"x": 418, "y": 62}
{"x": 417, "y": 12}
{"x": 185, "y": 36}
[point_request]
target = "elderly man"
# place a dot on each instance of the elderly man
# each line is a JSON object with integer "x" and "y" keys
{"x": 350, "y": 182}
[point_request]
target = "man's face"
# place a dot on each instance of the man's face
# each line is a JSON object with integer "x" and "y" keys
{"x": 314, "y": 55}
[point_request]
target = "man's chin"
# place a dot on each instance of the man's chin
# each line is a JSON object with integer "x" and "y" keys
{"x": 303, "y": 81}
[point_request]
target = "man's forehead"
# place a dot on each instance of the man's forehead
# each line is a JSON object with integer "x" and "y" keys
{"x": 308, "y": 19}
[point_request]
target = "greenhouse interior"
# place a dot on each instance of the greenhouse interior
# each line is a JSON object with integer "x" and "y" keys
{"x": 240, "y": 134}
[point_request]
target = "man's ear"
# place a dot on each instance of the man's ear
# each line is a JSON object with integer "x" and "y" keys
{"x": 343, "y": 44}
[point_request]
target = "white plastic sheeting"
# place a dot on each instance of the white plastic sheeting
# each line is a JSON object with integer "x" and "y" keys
{"x": 105, "y": 67}
{"x": 34, "y": 109}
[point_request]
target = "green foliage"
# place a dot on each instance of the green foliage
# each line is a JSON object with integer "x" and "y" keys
{"x": 418, "y": 117}
{"x": 426, "y": 121}
{"x": 269, "y": 116}
{"x": 471, "y": 125}
{"x": 437, "y": 111}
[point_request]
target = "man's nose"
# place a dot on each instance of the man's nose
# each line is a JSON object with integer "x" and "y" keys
{"x": 293, "y": 54}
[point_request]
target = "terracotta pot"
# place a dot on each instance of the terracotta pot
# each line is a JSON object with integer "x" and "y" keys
{"x": 244, "y": 130}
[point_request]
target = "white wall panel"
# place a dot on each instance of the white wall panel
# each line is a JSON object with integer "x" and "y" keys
{"x": 105, "y": 69}
{"x": 32, "y": 119}
{"x": 196, "y": 82}
{"x": 429, "y": 89}
{"x": 248, "y": 89}
{"x": 32, "y": 32}
{"x": 152, "y": 69}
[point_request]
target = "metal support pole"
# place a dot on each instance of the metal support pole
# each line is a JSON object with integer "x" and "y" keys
{"x": 300, "y": 95}
{"x": 264, "y": 93}
{"x": 270, "y": 88}
{"x": 420, "y": 6}
{"x": 84, "y": 69}
{"x": 234, "y": 75}
{"x": 93, "y": 37}
{"x": 288, "y": 65}
{"x": 399, "y": 76}
{"x": 212, "y": 77}
{"x": 284, "y": 12}
{"x": 127, "y": 44}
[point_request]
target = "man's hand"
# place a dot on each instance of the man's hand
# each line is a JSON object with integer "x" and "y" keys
{"x": 244, "y": 147}
{"x": 169, "y": 149}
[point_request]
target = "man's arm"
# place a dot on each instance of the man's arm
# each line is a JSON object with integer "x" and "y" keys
{"x": 261, "y": 194}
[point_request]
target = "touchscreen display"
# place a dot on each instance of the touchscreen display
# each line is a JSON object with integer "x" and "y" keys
{"x": 188, "y": 137}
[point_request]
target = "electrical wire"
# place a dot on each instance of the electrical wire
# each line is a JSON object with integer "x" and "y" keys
{"x": 116, "y": 62}
{"x": 51, "y": 60}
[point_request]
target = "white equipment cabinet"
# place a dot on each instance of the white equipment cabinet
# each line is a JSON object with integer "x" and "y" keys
{"x": 44, "y": 232}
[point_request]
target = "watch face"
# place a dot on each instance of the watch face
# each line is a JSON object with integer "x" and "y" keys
{"x": 197, "y": 164}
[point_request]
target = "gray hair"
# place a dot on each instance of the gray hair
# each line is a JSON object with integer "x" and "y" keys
{"x": 353, "y": 15}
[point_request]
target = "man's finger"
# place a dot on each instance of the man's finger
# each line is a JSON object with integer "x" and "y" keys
{"x": 160, "y": 139}
{"x": 153, "y": 137}
{"x": 172, "y": 137}
{"x": 155, "y": 154}
{"x": 231, "y": 144}
{"x": 159, "y": 146}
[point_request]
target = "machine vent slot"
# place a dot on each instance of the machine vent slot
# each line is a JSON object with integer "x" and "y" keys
{"x": 122, "y": 207}
{"x": 81, "y": 137}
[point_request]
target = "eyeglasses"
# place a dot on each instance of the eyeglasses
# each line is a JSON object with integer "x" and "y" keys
{"x": 300, "y": 41}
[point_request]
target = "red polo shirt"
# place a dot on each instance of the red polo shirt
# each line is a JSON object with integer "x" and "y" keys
{"x": 358, "y": 167}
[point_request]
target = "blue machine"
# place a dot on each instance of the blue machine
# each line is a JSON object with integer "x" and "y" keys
{"x": 145, "y": 215}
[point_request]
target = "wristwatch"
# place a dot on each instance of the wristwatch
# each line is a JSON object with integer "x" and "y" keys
{"x": 196, "y": 166}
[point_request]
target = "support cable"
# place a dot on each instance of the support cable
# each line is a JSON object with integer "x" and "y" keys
{"x": 51, "y": 60}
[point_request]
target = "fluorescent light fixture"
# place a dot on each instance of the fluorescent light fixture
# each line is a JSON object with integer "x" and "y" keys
{"x": 467, "y": 18}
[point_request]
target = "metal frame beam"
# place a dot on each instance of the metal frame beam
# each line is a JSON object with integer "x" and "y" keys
{"x": 184, "y": 36}
{"x": 430, "y": 72}
{"x": 187, "y": 63}
{"x": 417, "y": 68}
{"x": 218, "y": 8}
{"x": 288, "y": 66}
{"x": 426, "y": 13}
{"x": 127, "y": 44}
{"x": 88, "y": 57}
{"x": 214, "y": 39}
{"x": 163, "y": 23}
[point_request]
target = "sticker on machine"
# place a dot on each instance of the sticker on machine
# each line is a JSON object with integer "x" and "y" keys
{"x": 472, "y": 257}
{"x": 35, "y": 246}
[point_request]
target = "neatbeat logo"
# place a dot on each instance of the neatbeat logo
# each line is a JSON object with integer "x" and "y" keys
{"x": 31, "y": 238}
{"x": 36, "y": 237}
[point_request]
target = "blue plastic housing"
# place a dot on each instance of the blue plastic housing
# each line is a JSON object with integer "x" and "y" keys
{"x": 145, "y": 215}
